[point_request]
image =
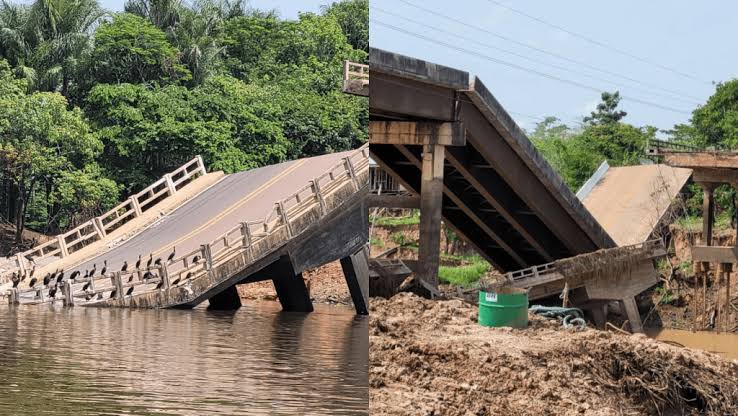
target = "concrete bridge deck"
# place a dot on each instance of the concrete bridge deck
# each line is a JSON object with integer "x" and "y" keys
{"x": 265, "y": 220}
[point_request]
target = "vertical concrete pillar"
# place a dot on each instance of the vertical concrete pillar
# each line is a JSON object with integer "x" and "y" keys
{"x": 170, "y": 184}
{"x": 356, "y": 271}
{"x": 201, "y": 164}
{"x": 431, "y": 200}
{"x": 68, "y": 293}
{"x": 292, "y": 293}
{"x": 227, "y": 300}
{"x": 136, "y": 206}
{"x": 708, "y": 211}
{"x": 631, "y": 311}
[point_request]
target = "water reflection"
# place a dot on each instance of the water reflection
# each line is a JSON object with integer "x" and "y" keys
{"x": 259, "y": 360}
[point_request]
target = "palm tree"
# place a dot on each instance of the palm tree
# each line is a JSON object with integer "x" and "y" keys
{"x": 49, "y": 39}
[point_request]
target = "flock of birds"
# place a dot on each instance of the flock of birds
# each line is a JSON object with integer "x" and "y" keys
{"x": 54, "y": 281}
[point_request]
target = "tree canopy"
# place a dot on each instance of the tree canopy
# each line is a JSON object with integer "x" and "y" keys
{"x": 95, "y": 105}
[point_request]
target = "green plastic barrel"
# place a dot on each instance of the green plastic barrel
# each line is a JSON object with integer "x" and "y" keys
{"x": 508, "y": 307}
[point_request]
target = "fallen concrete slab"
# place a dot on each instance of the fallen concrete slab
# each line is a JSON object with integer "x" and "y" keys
{"x": 630, "y": 202}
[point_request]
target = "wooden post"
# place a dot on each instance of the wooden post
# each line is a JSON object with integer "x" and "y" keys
{"x": 697, "y": 273}
{"x": 62, "y": 246}
{"x": 431, "y": 200}
{"x": 13, "y": 296}
{"x": 708, "y": 211}
{"x": 136, "y": 206}
{"x": 705, "y": 271}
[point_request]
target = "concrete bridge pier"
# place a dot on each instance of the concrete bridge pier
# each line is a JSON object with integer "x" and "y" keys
{"x": 356, "y": 271}
{"x": 227, "y": 300}
{"x": 291, "y": 290}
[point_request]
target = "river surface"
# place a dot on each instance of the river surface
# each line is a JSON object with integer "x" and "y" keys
{"x": 256, "y": 361}
{"x": 722, "y": 343}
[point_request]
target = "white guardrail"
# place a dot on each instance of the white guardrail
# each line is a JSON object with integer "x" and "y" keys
{"x": 356, "y": 72}
{"x": 288, "y": 218}
{"x": 99, "y": 227}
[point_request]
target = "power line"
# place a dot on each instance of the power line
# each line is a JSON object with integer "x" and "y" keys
{"x": 538, "y": 61}
{"x": 598, "y": 43}
{"x": 546, "y": 52}
{"x": 522, "y": 68}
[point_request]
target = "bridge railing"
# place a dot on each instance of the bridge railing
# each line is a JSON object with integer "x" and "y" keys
{"x": 98, "y": 227}
{"x": 353, "y": 71}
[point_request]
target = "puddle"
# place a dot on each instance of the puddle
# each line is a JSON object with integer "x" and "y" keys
{"x": 723, "y": 343}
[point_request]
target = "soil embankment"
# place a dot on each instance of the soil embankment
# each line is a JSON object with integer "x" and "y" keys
{"x": 431, "y": 357}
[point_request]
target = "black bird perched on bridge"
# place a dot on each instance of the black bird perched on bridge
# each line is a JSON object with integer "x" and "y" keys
{"x": 196, "y": 259}
{"x": 52, "y": 292}
{"x": 33, "y": 270}
{"x": 171, "y": 256}
{"x": 151, "y": 260}
{"x": 86, "y": 286}
{"x": 125, "y": 266}
{"x": 174, "y": 283}
{"x": 130, "y": 278}
{"x": 48, "y": 278}
{"x": 16, "y": 280}
{"x": 113, "y": 293}
{"x": 74, "y": 275}
{"x": 189, "y": 275}
{"x": 147, "y": 276}
{"x": 94, "y": 270}
{"x": 32, "y": 283}
{"x": 138, "y": 262}
{"x": 60, "y": 278}
{"x": 105, "y": 268}
{"x": 158, "y": 262}
{"x": 130, "y": 291}
{"x": 160, "y": 284}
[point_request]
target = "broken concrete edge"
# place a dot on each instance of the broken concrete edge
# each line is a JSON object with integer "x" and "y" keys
{"x": 135, "y": 226}
{"x": 593, "y": 180}
{"x": 417, "y": 69}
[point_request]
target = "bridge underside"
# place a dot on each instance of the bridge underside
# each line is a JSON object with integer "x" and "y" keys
{"x": 497, "y": 191}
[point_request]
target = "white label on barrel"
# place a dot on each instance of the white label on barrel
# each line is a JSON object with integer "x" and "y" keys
{"x": 490, "y": 297}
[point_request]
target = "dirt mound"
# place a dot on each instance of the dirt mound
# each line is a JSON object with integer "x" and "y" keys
{"x": 430, "y": 357}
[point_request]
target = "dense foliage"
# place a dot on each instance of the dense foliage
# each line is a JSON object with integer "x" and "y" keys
{"x": 96, "y": 105}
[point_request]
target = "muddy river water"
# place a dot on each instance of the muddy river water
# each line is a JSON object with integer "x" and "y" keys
{"x": 259, "y": 360}
{"x": 723, "y": 343}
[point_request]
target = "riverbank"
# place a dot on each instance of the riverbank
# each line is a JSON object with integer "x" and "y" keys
{"x": 430, "y": 357}
{"x": 326, "y": 284}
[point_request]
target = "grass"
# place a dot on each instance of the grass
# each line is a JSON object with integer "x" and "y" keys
{"x": 694, "y": 223}
{"x": 464, "y": 275}
{"x": 376, "y": 242}
{"x": 413, "y": 219}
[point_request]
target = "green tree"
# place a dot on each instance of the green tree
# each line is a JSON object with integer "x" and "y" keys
{"x": 353, "y": 16}
{"x": 607, "y": 111}
{"x": 131, "y": 50}
{"x": 716, "y": 122}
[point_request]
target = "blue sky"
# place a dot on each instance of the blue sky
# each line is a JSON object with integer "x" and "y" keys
{"x": 288, "y": 9}
{"x": 693, "y": 38}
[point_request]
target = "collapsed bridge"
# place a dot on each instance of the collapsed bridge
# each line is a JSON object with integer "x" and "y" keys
{"x": 271, "y": 223}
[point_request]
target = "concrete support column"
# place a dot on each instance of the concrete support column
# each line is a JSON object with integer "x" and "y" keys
{"x": 356, "y": 271}
{"x": 227, "y": 300}
{"x": 708, "y": 211}
{"x": 431, "y": 200}
{"x": 292, "y": 293}
{"x": 631, "y": 311}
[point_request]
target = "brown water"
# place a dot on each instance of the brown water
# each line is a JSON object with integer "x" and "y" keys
{"x": 723, "y": 343}
{"x": 259, "y": 360}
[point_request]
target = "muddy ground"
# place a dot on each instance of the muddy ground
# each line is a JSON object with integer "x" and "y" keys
{"x": 431, "y": 358}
